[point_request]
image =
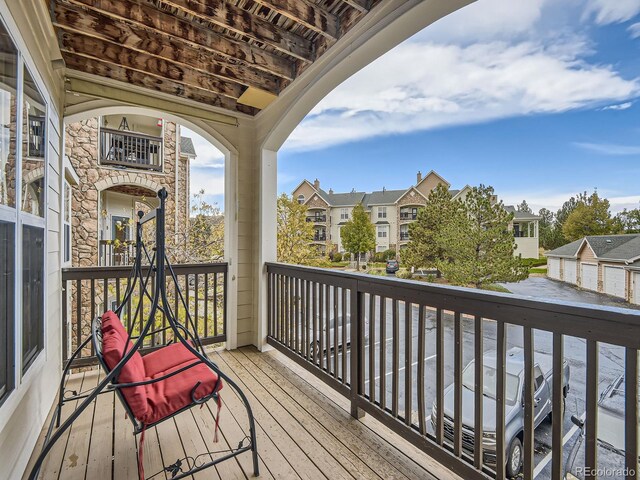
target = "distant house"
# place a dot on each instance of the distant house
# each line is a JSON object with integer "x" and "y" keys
{"x": 603, "y": 263}
{"x": 392, "y": 211}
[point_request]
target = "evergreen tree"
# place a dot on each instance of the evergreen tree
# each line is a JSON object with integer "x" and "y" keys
{"x": 358, "y": 235}
{"x": 524, "y": 207}
{"x": 295, "y": 234}
{"x": 628, "y": 221}
{"x": 423, "y": 249}
{"x": 478, "y": 244}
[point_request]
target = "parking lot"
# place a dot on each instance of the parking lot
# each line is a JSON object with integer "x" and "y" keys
{"x": 611, "y": 363}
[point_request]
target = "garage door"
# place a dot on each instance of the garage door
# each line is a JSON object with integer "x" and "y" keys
{"x": 570, "y": 272}
{"x": 553, "y": 268}
{"x": 636, "y": 288}
{"x": 589, "y": 277}
{"x": 614, "y": 281}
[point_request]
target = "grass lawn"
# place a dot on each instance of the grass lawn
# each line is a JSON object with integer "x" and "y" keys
{"x": 538, "y": 270}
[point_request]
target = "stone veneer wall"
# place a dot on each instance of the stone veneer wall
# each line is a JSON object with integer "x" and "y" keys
{"x": 412, "y": 198}
{"x": 81, "y": 145}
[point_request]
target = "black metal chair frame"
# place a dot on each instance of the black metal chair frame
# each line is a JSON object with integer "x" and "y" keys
{"x": 158, "y": 268}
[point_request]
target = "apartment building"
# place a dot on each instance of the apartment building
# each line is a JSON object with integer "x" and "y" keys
{"x": 392, "y": 211}
{"x": 117, "y": 165}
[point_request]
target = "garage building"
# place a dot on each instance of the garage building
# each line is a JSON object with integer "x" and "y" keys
{"x": 603, "y": 263}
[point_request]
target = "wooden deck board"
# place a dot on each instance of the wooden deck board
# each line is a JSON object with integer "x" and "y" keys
{"x": 304, "y": 431}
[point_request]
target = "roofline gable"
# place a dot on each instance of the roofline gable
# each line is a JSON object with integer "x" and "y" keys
{"x": 433, "y": 172}
{"x": 466, "y": 187}
{"x": 408, "y": 190}
{"x": 302, "y": 183}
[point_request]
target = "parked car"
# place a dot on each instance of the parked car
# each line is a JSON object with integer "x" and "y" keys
{"x": 514, "y": 404}
{"x": 342, "y": 342}
{"x": 611, "y": 428}
{"x": 392, "y": 266}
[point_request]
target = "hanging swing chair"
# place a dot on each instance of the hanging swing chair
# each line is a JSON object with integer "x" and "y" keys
{"x": 159, "y": 385}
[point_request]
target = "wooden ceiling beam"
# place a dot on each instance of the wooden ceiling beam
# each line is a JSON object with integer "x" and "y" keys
{"x": 109, "y": 52}
{"x": 361, "y": 5}
{"x": 307, "y": 14}
{"x": 91, "y": 24}
{"x": 169, "y": 26}
{"x": 240, "y": 21}
{"x": 118, "y": 73}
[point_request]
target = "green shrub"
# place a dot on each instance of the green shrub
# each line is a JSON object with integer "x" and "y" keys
{"x": 337, "y": 257}
{"x": 406, "y": 274}
{"x": 388, "y": 255}
{"x": 377, "y": 271}
{"x": 378, "y": 257}
{"x": 534, "y": 262}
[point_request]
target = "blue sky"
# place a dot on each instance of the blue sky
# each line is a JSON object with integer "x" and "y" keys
{"x": 538, "y": 98}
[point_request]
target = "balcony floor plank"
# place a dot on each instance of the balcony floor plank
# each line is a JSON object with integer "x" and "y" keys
{"x": 304, "y": 431}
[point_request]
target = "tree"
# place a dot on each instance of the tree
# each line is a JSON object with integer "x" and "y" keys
{"x": 550, "y": 236}
{"x": 478, "y": 244}
{"x": 295, "y": 234}
{"x": 628, "y": 221}
{"x": 524, "y": 207}
{"x": 423, "y": 249}
{"x": 202, "y": 239}
{"x": 591, "y": 216}
{"x": 358, "y": 235}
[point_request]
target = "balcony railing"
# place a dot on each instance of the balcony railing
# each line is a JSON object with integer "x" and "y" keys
{"x": 404, "y": 235}
{"x": 320, "y": 237}
{"x": 90, "y": 291}
{"x": 317, "y": 218}
{"x": 408, "y": 216}
{"x": 129, "y": 149}
{"x": 37, "y": 126}
{"x": 113, "y": 253}
{"x": 350, "y": 330}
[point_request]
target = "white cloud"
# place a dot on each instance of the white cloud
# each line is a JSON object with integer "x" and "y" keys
{"x": 206, "y": 154}
{"x": 634, "y": 30}
{"x": 211, "y": 181}
{"x": 612, "y": 11}
{"x": 609, "y": 148}
{"x": 424, "y": 85}
{"x": 207, "y": 169}
{"x": 619, "y": 106}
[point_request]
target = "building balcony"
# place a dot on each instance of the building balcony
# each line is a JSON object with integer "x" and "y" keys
{"x": 320, "y": 237}
{"x": 130, "y": 150}
{"x": 331, "y": 332}
{"x": 404, "y": 236}
{"x": 408, "y": 216}
{"x": 317, "y": 218}
{"x": 113, "y": 253}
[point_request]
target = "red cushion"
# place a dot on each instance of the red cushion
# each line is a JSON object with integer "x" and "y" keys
{"x": 153, "y": 402}
{"x": 114, "y": 338}
{"x": 165, "y": 358}
{"x": 170, "y": 395}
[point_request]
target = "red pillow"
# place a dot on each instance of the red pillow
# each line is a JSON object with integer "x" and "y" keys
{"x": 114, "y": 339}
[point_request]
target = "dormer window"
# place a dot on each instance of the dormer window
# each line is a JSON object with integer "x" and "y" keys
{"x": 300, "y": 199}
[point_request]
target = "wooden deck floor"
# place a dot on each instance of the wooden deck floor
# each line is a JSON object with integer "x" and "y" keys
{"x": 304, "y": 431}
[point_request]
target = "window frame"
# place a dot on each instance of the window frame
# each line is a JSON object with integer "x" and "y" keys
{"x": 344, "y": 214}
{"x": 67, "y": 228}
{"x": 301, "y": 198}
{"x": 382, "y": 212}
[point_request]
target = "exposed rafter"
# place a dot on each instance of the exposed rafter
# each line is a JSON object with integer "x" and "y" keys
{"x": 127, "y": 76}
{"x": 360, "y": 5}
{"x": 244, "y": 23}
{"x": 306, "y": 13}
{"x": 109, "y": 52}
{"x": 163, "y": 23}
{"x": 85, "y": 23}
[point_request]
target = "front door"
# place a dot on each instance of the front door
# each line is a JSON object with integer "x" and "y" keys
{"x": 120, "y": 236}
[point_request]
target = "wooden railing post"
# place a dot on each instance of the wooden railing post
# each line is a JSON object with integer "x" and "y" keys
{"x": 65, "y": 322}
{"x": 356, "y": 315}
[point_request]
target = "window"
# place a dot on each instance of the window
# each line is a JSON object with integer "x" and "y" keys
{"x": 382, "y": 232}
{"x": 7, "y": 291}
{"x": 8, "y": 175}
{"x": 8, "y": 127}
{"x": 344, "y": 214}
{"x": 32, "y": 294}
{"x": 382, "y": 212}
{"x": 33, "y": 151}
{"x": 301, "y": 199}
{"x": 67, "y": 222}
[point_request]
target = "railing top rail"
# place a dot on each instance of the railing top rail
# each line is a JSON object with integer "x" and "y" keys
{"x": 128, "y": 133}
{"x": 615, "y": 325}
{"x": 98, "y": 273}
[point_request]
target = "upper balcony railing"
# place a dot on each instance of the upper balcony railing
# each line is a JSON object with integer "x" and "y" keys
{"x": 404, "y": 235}
{"x": 317, "y": 218}
{"x": 408, "y": 216}
{"x": 37, "y": 126}
{"x": 129, "y": 149}
{"x": 113, "y": 253}
{"x": 351, "y": 331}
{"x": 320, "y": 237}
